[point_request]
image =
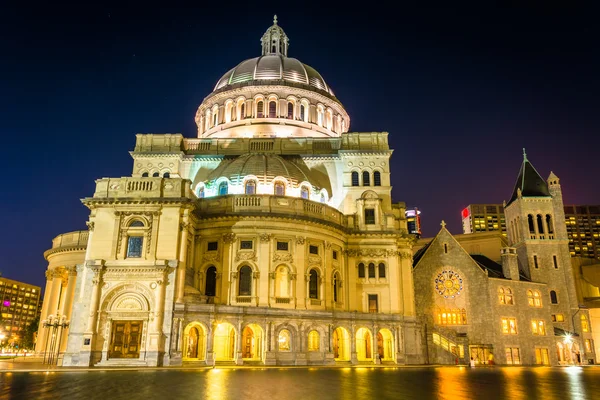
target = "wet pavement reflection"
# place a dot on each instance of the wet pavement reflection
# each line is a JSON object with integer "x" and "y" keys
{"x": 308, "y": 383}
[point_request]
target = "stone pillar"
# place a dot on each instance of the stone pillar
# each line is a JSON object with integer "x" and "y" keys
{"x": 375, "y": 346}
{"x": 41, "y": 337}
{"x": 67, "y": 304}
{"x": 95, "y": 298}
{"x": 353, "y": 355}
{"x": 180, "y": 284}
{"x": 238, "y": 359}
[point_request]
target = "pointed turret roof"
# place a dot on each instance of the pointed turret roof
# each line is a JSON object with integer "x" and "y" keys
{"x": 529, "y": 182}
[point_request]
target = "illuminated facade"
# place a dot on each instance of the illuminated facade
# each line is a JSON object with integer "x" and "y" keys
{"x": 270, "y": 239}
{"x": 483, "y": 218}
{"x": 511, "y": 300}
{"x": 20, "y": 303}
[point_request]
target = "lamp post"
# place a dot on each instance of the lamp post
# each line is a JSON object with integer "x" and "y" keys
{"x": 55, "y": 326}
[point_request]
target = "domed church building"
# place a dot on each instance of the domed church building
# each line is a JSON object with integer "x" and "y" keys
{"x": 270, "y": 239}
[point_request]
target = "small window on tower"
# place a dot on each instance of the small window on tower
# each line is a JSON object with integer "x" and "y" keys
{"x": 369, "y": 216}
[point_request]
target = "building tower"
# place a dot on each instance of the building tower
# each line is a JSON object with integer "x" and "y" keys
{"x": 536, "y": 229}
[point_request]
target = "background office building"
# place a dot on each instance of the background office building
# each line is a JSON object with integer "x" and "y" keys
{"x": 20, "y": 305}
{"x": 413, "y": 221}
{"x": 483, "y": 218}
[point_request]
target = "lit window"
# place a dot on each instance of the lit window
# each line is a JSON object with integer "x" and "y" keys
{"x": 250, "y": 187}
{"x": 509, "y": 326}
{"x": 505, "y": 296}
{"x": 200, "y": 192}
{"x": 134, "y": 246}
{"x": 513, "y": 355}
{"x": 373, "y": 306}
{"x": 534, "y": 298}
{"x": 304, "y": 192}
{"x": 223, "y": 188}
{"x": 584, "y": 324}
{"x": 454, "y": 316}
{"x": 284, "y": 340}
{"x": 313, "y": 341}
{"x": 279, "y": 189}
{"x": 538, "y": 328}
{"x": 558, "y": 318}
{"x": 589, "y": 345}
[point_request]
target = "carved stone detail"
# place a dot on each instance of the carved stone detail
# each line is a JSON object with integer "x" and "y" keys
{"x": 90, "y": 225}
{"x": 229, "y": 237}
{"x": 328, "y": 245}
{"x": 283, "y": 257}
{"x": 314, "y": 260}
{"x": 245, "y": 256}
{"x": 300, "y": 239}
{"x": 211, "y": 257}
{"x": 265, "y": 237}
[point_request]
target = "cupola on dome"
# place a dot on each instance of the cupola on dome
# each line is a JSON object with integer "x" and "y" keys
{"x": 274, "y": 65}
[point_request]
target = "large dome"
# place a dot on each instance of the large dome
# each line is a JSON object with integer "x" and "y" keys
{"x": 274, "y": 67}
{"x": 265, "y": 167}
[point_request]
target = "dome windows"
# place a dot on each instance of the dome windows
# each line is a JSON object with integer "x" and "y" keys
{"x": 272, "y": 109}
{"x": 250, "y": 187}
{"x": 279, "y": 188}
{"x": 260, "y": 107}
{"x": 304, "y": 192}
{"x": 377, "y": 178}
{"x": 366, "y": 178}
{"x": 290, "y": 110}
{"x": 223, "y": 188}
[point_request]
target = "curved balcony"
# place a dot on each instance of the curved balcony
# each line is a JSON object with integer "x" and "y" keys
{"x": 269, "y": 205}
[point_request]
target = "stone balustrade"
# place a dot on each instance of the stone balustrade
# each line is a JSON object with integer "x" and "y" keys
{"x": 270, "y": 205}
{"x": 71, "y": 239}
{"x": 142, "y": 187}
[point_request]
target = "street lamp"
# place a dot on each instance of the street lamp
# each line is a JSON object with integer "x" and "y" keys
{"x": 55, "y": 326}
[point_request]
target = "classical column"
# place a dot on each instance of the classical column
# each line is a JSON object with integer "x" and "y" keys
{"x": 95, "y": 297}
{"x": 375, "y": 346}
{"x": 67, "y": 306}
{"x": 41, "y": 337}
{"x": 180, "y": 283}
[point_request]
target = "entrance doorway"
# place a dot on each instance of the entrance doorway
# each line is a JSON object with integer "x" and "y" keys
{"x": 126, "y": 338}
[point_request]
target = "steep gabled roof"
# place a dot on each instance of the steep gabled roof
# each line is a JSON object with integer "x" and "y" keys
{"x": 529, "y": 182}
{"x": 420, "y": 253}
{"x": 494, "y": 269}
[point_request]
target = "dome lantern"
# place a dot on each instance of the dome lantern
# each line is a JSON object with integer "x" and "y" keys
{"x": 275, "y": 41}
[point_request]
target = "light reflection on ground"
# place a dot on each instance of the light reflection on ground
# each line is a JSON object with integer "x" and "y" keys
{"x": 518, "y": 383}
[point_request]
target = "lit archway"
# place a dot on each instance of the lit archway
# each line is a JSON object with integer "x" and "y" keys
{"x": 252, "y": 343}
{"x": 364, "y": 345}
{"x": 385, "y": 345}
{"x": 224, "y": 342}
{"x": 194, "y": 342}
{"x": 341, "y": 344}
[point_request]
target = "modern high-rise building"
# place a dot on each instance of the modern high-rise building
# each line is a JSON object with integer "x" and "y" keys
{"x": 483, "y": 218}
{"x": 20, "y": 303}
{"x": 583, "y": 225}
{"x": 583, "y": 228}
{"x": 413, "y": 221}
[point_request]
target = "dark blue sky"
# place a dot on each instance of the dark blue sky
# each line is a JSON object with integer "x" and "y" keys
{"x": 460, "y": 89}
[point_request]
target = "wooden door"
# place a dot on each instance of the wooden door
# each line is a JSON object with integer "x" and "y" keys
{"x": 126, "y": 338}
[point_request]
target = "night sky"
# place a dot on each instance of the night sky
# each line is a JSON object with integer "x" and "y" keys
{"x": 461, "y": 90}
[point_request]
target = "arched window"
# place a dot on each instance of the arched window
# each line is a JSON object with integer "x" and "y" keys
{"x": 279, "y": 189}
{"x": 320, "y": 115}
{"x": 355, "y": 178}
{"x": 313, "y": 341}
{"x": 145, "y": 175}
{"x": 377, "y": 178}
{"x": 533, "y": 298}
{"x": 229, "y": 112}
{"x": 313, "y": 284}
{"x": 302, "y": 112}
{"x": 284, "y": 340}
{"x": 282, "y": 282}
{"x": 329, "y": 121}
{"x": 553, "y": 297}
{"x": 245, "y": 284}
{"x": 323, "y": 198}
{"x": 215, "y": 118}
{"x": 505, "y": 296}
{"x": 200, "y": 192}
{"x": 290, "y": 110}
{"x": 540, "y": 223}
{"x": 371, "y": 270}
{"x": 304, "y": 192}
{"x": 250, "y": 187}
{"x": 531, "y": 225}
{"x": 242, "y": 107}
{"x": 272, "y": 109}
{"x": 156, "y": 175}
{"x": 260, "y": 109}
{"x": 167, "y": 175}
{"x": 223, "y": 188}
{"x": 136, "y": 224}
{"x": 584, "y": 323}
{"x": 366, "y": 178}
{"x": 210, "y": 289}
{"x": 381, "y": 270}
{"x": 549, "y": 224}
{"x": 361, "y": 270}
{"x": 335, "y": 287}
